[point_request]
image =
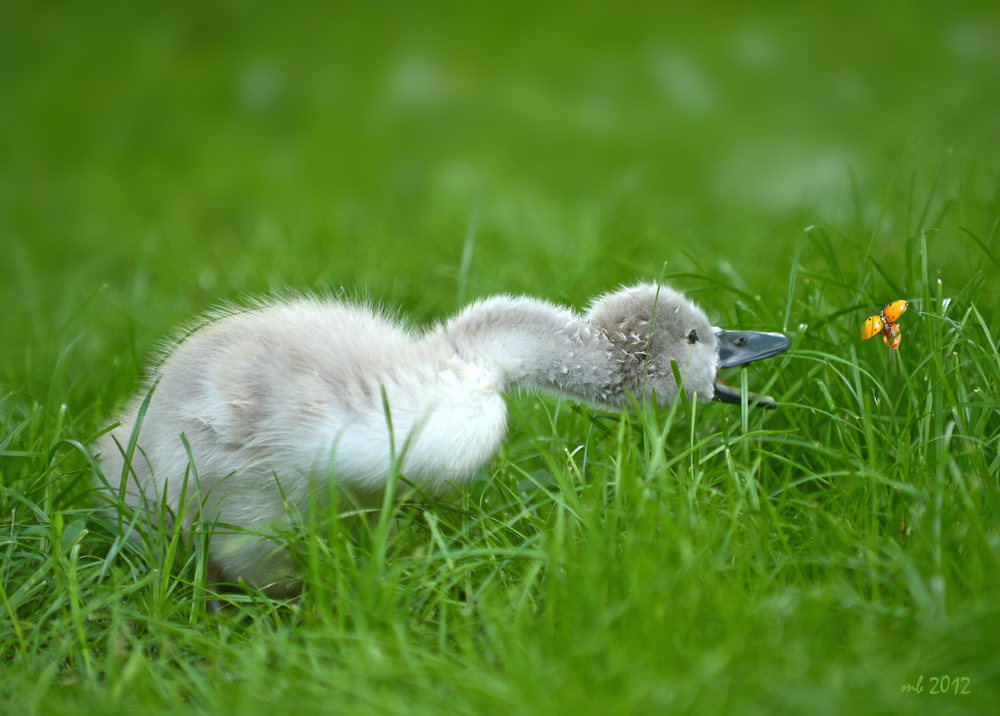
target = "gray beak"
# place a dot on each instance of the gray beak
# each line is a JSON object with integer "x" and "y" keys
{"x": 739, "y": 347}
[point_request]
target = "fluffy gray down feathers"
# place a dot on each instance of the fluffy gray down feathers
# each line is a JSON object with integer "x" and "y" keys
{"x": 293, "y": 389}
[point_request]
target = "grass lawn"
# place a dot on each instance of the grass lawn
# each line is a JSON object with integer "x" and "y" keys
{"x": 790, "y": 170}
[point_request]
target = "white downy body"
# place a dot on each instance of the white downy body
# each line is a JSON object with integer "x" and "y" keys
{"x": 291, "y": 392}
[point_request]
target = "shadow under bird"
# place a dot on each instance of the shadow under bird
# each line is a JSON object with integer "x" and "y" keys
{"x": 284, "y": 390}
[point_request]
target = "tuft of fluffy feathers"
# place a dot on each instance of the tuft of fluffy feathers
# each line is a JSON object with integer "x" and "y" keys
{"x": 278, "y": 392}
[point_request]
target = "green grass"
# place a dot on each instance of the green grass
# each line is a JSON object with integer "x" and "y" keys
{"x": 701, "y": 559}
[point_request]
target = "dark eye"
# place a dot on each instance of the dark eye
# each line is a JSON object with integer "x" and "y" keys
{"x": 693, "y": 337}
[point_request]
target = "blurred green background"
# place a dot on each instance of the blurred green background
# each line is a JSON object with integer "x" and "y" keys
{"x": 159, "y": 158}
{"x": 187, "y": 153}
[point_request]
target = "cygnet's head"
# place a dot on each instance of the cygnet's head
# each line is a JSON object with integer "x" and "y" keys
{"x": 650, "y": 326}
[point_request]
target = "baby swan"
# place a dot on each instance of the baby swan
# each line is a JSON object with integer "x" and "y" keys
{"x": 294, "y": 388}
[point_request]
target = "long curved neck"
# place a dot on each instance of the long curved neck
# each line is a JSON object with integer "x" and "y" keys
{"x": 534, "y": 344}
